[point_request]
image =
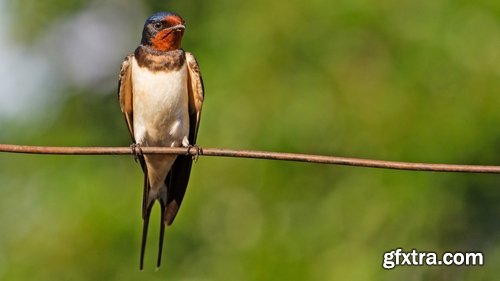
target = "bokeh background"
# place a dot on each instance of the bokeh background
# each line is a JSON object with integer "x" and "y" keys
{"x": 398, "y": 80}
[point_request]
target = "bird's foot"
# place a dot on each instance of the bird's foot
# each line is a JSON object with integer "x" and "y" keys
{"x": 136, "y": 151}
{"x": 198, "y": 152}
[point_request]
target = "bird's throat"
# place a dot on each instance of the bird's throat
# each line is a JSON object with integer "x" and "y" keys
{"x": 167, "y": 40}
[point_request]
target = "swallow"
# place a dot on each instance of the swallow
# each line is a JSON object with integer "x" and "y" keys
{"x": 161, "y": 95}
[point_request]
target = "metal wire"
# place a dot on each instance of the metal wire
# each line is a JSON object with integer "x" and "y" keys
{"x": 322, "y": 159}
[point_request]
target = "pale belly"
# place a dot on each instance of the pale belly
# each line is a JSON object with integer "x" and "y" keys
{"x": 160, "y": 104}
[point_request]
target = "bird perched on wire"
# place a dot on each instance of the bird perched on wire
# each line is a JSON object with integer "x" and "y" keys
{"x": 161, "y": 95}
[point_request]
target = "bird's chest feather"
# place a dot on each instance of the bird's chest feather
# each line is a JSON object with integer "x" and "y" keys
{"x": 160, "y": 104}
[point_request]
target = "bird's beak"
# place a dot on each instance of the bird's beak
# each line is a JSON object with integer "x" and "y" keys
{"x": 178, "y": 27}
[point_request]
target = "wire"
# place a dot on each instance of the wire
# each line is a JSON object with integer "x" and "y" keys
{"x": 195, "y": 151}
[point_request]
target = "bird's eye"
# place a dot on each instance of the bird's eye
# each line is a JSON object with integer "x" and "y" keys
{"x": 158, "y": 25}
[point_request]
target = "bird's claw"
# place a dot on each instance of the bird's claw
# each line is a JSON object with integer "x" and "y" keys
{"x": 198, "y": 152}
{"x": 136, "y": 151}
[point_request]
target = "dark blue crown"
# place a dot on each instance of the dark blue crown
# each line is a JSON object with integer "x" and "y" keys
{"x": 159, "y": 16}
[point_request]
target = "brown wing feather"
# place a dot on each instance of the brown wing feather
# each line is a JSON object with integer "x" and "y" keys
{"x": 196, "y": 96}
{"x": 178, "y": 177}
{"x": 125, "y": 93}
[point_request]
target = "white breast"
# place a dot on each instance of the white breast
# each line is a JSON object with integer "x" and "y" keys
{"x": 160, "y": 103}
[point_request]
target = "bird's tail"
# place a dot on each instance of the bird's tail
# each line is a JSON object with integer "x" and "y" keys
{"x": 147, "y": 205}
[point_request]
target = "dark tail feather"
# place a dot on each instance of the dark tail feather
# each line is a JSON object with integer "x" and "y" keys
{"x": 145, "y": 225}
{"x": 162, "y": 233}
{"x": 177, "y": 181}
{"x": 145, "y": 194}
{"x": 146, "y": 211}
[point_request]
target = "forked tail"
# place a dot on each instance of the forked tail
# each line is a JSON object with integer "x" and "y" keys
{"x": 147, "y": 206}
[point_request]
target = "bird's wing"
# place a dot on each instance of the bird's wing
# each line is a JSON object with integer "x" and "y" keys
{"x": 125, "y": 93}
{"x": 196, "y": 95}
{"x": 178, "y": 177}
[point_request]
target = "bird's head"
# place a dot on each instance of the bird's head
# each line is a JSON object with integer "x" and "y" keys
{"x": 163, "y": 31}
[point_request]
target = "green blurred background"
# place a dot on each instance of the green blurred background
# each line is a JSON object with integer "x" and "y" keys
{"x": 398, "y": 80}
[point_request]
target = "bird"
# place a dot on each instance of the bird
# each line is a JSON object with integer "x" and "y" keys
{"x": 161, "y": 94}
